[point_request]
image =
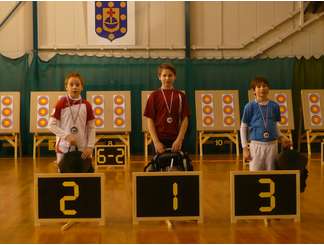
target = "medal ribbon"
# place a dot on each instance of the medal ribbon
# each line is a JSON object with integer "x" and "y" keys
{"x": 166, "y": 103}
{"x": 77, "y": 115}
{"x": 265, "y": 121}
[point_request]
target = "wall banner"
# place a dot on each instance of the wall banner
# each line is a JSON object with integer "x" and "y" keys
{"x": 111, "y": 23}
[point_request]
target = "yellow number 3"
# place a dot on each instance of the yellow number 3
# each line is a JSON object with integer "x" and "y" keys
{"x": 69, "y": 198}
{"x": 268, "y": 194}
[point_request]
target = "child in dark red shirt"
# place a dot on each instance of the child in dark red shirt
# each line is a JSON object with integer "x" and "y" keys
{"x": 167, "y": 112}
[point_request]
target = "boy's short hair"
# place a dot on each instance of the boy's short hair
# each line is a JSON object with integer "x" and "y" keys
{"x": 166, "y": 66}
{"x": 258, "y": 81}
{"x": 73, "y": 74}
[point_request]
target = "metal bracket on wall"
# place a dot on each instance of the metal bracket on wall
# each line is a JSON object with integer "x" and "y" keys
{"x": 10, "y": 13}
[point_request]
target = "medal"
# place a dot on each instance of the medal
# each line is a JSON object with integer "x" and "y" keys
{"x": 74, "y": 130}
{"x": 169, "y": 108}
{"x": 266, "y": 134}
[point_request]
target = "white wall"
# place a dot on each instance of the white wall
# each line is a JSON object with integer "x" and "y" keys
{"x": 218, "y": 30}
{"x": 16, "y": 36}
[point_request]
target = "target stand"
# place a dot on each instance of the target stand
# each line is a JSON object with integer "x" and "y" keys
{"x": 204, "y": 137}
{"x": 312, "y": 137}
{"x": 39, "y": 140}
{"x": 13, "y": 140}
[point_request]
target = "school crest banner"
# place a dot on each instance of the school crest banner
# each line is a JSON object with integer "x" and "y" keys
{"x": 111, "y": 23}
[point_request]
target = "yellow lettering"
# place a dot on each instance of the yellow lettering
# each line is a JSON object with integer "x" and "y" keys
{"x": 101, "y": 158}
{"x": 175, "y": 194}
{"x": 268, "y": 194}
{"x": 119, "y": 157}
{"x": 69, "y": 198}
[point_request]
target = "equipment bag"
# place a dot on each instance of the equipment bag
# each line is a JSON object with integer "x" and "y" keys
{"x": 73, "y": 163}
{"x": 169, "y": 161}
{"x": 292, "y": 160}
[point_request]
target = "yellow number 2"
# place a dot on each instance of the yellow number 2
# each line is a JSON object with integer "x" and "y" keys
{"x": 268, "y": 194}
{"x": 119, "y": 157}
{"x": 69, "y": 198}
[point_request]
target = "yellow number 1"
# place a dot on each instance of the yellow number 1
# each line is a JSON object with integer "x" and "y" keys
{"x": 268, "y": 194}
{"x": 175, "y": 196}
{"x": 69, "y": 198}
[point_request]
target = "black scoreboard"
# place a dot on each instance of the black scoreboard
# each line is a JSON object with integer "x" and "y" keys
{"x": 110, "y": 155}
{"x": 69, "y": 197}
{"x": 265, "y": 194}
{"x": 167, "y": 195}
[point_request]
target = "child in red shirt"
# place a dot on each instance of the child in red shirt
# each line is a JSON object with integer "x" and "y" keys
{"x": 167, "y": 112}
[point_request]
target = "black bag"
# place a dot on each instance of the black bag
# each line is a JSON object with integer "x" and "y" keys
{"x": 293, "y": 160}
{"x": 169, "y": 161}
{"x": 73, "y": 163}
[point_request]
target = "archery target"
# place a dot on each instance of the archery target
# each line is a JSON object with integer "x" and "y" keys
{"x": 44, "y": 102}
{"x": 112, "y": 110}
{"x": 9, "y": 112}
{"x": 217, "y": 110}
{"x": 312, "y": 104}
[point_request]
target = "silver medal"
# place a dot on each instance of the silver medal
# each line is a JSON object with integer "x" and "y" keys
{"x": 169, "y": 120}
{"x": 266, "y": 134}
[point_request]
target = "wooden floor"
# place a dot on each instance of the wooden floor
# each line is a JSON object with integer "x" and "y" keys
{"x": 17, "y": 210}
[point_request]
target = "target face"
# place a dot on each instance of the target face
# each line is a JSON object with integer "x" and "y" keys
{"x": 42, "y": 104}
{"x": 206, "y": 99}
{"x": 6, "y": 112}
{"x": 98, "y": 122}
{"x": 98, "y": 111}
{"x": 314, "y": 98}
{"x": 119, "y": 100}
{"x": 6, "y": 123}
{"x": 227, "y": 99}
{"x": 6, "y": 100}
{"x": 98, "y": 100}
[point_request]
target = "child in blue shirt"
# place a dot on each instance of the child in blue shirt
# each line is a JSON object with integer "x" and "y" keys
{"x": 260, "y": 120}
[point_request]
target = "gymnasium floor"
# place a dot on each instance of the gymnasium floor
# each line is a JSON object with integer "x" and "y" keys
{"x": 17, "y": 210}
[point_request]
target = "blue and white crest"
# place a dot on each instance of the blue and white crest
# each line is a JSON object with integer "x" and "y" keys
{"x": 111, "y": 19}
